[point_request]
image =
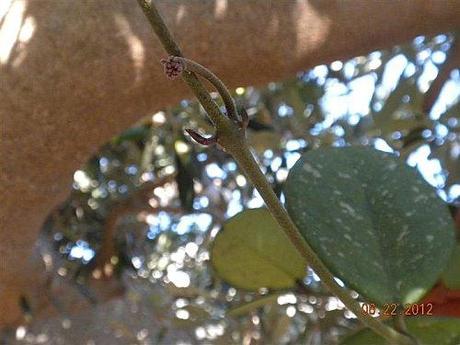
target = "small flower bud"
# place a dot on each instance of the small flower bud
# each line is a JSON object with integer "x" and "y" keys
{"x": 172, "y": 67}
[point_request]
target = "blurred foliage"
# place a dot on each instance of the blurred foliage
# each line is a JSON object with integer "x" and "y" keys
{"x": 427, "y": 330}
{"x": 162, "y": 239}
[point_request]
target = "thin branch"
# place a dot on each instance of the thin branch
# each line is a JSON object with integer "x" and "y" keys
{"x": 233, "y": 140}
{"x": 172, "y": 48}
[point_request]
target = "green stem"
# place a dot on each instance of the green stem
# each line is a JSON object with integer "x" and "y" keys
{"x": 233, "y": 140}
{"x": 172, "y": 48}
{"x": 194, "y": 67}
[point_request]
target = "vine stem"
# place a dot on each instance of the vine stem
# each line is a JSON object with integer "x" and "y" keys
{"x": 168, "y": 42}
{"x": 232, "y": 139}
{"x": 192, "y": 66}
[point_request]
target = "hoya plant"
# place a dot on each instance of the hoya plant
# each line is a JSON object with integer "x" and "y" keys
{"x": 365, "y": 223}
{"x": 325, "y": 240}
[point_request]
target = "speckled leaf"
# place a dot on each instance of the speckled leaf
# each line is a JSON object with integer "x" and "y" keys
{"x": 251, "y": 252}
{"x": 373, "y": 220}
{"x": 428, "y": 330}
{"x": 451, "y": 276}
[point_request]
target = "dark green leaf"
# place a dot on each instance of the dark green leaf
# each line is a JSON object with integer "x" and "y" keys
{"x": 252, "y": 252}
{"x": 374, "y": 221}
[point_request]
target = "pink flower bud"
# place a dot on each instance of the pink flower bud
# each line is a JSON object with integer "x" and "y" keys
{"x": 172, "y": 67}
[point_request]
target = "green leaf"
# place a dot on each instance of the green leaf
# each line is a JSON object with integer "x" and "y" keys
{"x": 428, "y": 330}
{"x": 373, "y": 220}
{"x": 252, "y": 252}
{"x": 451, "y": 276}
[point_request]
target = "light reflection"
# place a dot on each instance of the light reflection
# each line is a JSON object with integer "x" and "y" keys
{"x": 450, "y": 95}
{"x": 276, "y": 163}
{"x": 239, "y": 91}
{"x": 333, "y": 303}
{"x": 27, "y": 30}
{"x": 360, "y": 94}
{"x": 438, "y": 57}
{"x": 336, "y": 66}
{"x": 201, "y": 220}
{"x": 214, "y": 171}
{"x": 82, "y": 251}
{"x": 382, "y": 145}
{"x": 282, "y": 174}
{"x": 10, "y": 28}
{"x": 454, "y": 192}
{"x": 291, "y": 158}
{"x": 179, "y": 278}
{"x": 191, "y": 249}
{"x": 201, "y": 202}
{"x": 430, "y": 169}
{"x": 21, "y": 332}
{"x": 200, "y": 333}
{"x": 240, "y": 181}
{"x": 82, "y": 180}
{"x": 220, "y": 9}
{"x": 349, "y": 69}
{"x": 393, "y": 70}
{"x": 430, "y": 71}
{"x": 137, "y": 262}
{"x": 136, "y": 48}
{"x": 293, "y": 145}
{"x": 182, "y": 314}
{"x": 291, "y": 311}
{"x": 287, "y": 299}
{"x": 4, "y": 7}
{"x": 159, "y": 118}
{"x": 234, "y": 204}
{"x": 285, "y": 110}
{"x": 256, "y": 200}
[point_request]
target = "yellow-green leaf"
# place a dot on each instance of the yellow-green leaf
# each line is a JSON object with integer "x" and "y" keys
{"x": 251, "y": 252}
